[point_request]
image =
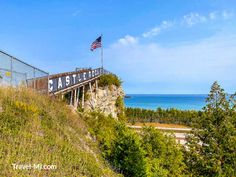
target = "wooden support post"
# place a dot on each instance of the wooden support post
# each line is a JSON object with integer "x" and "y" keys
{"x": 90, "y": 88}
{"x": 91, "y": 92}
{"x": 83, "y": 97}
{"x": 71, "y": 97}
{"x": 96, "y": 84}
{"x": 75, "y": 98}
{"x": 62, "y": 96}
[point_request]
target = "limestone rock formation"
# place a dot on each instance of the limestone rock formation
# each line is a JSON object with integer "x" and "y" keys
{"x": 104, "y": 99}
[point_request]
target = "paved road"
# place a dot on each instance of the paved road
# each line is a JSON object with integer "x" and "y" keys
{"x": 162, "y": 128}
{"x": 179, "y": 136}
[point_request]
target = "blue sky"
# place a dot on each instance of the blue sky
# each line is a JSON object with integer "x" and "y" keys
{"x": 155, "y": 46}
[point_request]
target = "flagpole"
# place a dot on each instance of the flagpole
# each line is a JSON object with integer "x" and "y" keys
{"x": 102, "y": 51}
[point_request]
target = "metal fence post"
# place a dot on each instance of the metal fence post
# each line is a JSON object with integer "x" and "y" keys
{"x": 11, "y": 70}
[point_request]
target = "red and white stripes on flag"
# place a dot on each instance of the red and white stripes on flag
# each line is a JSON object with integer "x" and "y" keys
{"x": 96, "y": 44}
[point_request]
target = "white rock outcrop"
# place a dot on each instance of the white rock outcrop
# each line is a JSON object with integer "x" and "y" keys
{"x": 103, "y": 99}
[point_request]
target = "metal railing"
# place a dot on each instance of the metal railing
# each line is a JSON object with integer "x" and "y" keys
{"x": 104, "y": 71}
{"x": 61, "y": 82}
{"x": 15, "y": 72}
{"x": 65, "y": 81}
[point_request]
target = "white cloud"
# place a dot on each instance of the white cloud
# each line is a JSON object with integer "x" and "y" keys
{"x": 184, "y": 68}
{"x": 189, "y": 20}
{"x": 193, "y": 18}
{"x": 128, "y": 40}
{"x": 158, "y": 29}
{"x": 189, "y": 67}
{"x": 196, "y": 18}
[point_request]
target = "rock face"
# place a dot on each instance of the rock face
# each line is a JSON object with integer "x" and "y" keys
{"x": 103, "y": 99}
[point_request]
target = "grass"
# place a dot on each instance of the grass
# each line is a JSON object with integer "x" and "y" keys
{"x": 36, "y": 129}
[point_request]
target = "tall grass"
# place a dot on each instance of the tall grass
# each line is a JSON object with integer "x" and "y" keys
{"x": 36, "y": 129}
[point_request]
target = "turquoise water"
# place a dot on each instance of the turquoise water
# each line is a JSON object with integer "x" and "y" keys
{"x": 178, "y": 101}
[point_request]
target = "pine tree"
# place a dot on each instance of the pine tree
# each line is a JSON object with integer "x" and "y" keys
{"x": 211, "y": 148}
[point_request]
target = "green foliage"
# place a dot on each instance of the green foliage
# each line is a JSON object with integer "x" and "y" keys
{"x": 212, "y": 145}
{"x": 120, "y": 108}
{"x": 120, "y": 103}
{"x": 127, "y": 154}
{"x": 149, "y": 153}
{"x": 35, "y": 129}
{"x": 164, "y": 155}
{"x": 175, "y": 116}
{"x": 119, "y": 145}
{"x": 103, "y": 129}
{"x": 109, "y": 80}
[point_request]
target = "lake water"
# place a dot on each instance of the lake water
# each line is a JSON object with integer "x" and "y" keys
{"x": 178, "y": 101}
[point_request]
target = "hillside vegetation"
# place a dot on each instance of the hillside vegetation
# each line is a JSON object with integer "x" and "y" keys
{"x": 37, "y": 130}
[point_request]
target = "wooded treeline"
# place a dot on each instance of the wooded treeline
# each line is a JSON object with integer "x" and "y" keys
{"x": 173, "y": 116}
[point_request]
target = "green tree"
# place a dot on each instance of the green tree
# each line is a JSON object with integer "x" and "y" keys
{"x": 211, "y": 149}
{"x": 127, "y": 154}
{"x": 164, "y": 156}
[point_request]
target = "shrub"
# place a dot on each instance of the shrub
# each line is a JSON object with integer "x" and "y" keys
{"x": 109, "y": 80}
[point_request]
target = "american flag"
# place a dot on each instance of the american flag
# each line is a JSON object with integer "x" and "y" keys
{"x": 96, "y": 44}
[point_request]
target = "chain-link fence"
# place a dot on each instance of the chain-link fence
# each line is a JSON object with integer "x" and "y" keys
{"x": 15, "y": 72}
